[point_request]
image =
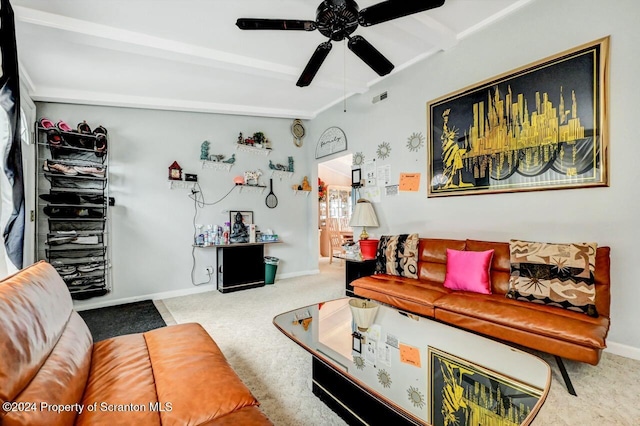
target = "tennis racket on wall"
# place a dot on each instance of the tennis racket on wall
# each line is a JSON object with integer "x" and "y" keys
{"x": 271, "y": 201}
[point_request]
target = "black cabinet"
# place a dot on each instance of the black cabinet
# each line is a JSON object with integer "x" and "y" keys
{"x": 356, "y": 269}
{"x": 240, "y": 266}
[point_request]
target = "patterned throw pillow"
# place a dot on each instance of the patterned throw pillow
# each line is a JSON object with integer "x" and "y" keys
{"x": 398, "y": 255}
{"x": 559, "y": 275}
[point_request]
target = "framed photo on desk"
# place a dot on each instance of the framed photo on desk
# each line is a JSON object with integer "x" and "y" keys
{"x": 247, "y": 217}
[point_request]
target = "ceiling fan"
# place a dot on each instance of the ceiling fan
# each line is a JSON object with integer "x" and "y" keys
{"x": 337, "y": 20}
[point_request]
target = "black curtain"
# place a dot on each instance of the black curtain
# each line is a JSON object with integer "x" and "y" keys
{"x": 10, "y": 146}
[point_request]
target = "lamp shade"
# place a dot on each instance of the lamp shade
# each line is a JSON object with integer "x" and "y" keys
{"x": 363, "y": 214}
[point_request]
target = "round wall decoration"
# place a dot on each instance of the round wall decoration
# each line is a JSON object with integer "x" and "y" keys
{"x": 298, "y": 131}
{"x": 415, "y": 141}
{"x": 358, "y": 159}
{"x": 331, "y": 141}
{"x": 383, "y": 151}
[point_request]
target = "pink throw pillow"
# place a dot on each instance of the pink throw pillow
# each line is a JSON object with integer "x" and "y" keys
{"x": 469, "y": 270}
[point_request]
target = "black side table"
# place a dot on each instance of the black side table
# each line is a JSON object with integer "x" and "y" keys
{"x": 356, "y": 269}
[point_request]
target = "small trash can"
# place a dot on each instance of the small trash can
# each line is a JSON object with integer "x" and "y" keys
{"x": 270, "y": 268}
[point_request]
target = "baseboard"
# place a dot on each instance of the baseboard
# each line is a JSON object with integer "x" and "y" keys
{"x": 623, "y": 350}
{"x": 84, "y": 305}
{"x": 80, "y": 306}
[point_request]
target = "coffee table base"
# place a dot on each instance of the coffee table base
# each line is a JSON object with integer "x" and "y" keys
{"x": 351, "y": 402}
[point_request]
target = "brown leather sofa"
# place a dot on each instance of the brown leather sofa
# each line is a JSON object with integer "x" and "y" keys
{"x": 553, "y": 330}
{"x": 51, "y": 373}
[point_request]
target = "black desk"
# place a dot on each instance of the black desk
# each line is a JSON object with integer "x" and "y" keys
{"x": 240, "y": 266}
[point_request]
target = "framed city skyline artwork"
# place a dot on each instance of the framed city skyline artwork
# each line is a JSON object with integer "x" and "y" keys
{"x": 466, "y": 394}
{"x": 543, "y": 126}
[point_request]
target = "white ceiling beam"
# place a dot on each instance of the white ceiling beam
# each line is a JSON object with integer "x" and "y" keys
{"x": 430, "y": 30}
{"x": 118, "y": 39}
{"x": 50, "y": 94}
{"x": 493, "y": 18}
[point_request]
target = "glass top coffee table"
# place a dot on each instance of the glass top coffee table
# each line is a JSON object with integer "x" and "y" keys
{"x": 407, "y": 369}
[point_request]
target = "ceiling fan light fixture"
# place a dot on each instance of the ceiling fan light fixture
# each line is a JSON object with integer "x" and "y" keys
{"x": 337, "y": 20}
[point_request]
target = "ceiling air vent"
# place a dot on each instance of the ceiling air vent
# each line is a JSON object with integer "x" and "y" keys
{"x": 381, "y": 97}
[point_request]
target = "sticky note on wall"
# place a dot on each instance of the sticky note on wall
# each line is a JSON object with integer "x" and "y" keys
{"x": 409, "y": 182}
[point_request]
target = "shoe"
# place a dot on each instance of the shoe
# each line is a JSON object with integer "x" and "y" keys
{"x": 70, "y": 276}
{"x": 93, "y": 171}
{"x": 66, "y": 270}
{"x": 93, "y": 199}
{"x": 61, "y": 198}
{"x": 54, "y": 138}
{"x": 56, "y": 241}
{"x": 59, "y": 168}
{"x": 90, "y": 267}
{"x": 88, "y": 213}
{"x": 84, "y": 128}
{"x": 101, "y": 141}
{"x": 88, "y": 239}
{"x": 61, "y": 125}
{"x": 60, "y": 212}
{"x": 45, "y": 123}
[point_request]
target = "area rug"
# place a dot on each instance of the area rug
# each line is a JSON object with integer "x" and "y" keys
{"x": 129, "y": 318}
{"x": 278, "y": 372}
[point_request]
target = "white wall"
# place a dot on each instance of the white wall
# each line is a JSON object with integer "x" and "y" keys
{"x": 151, "y": 225}
{"x": 605, "y": 215}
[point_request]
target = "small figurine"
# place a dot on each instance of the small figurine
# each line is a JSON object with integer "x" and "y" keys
{"x": 216, "y": 157}
{"x": 204, "y": 150}
{"x": 290, "y": 164}
{"x": 175, "y": 171}
{"x": 240, "y": 138}
{"x": 306, "y": 186}
{"x": 252, "y": 177}
{"x": 230, "y": 160}
{"x": 266, "y": 144}
{"x": 280, "y": 167}
{"x": 239, "y": 232}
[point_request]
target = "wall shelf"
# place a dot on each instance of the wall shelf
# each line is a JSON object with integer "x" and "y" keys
{"x": 252, "y": 188}
{"x": 181, "y": 184}
{"x": 252, "y": 149}
{"x": 216, "y": 165}
{"x": 281, "y": 174}
{"x": 301, "y": 192}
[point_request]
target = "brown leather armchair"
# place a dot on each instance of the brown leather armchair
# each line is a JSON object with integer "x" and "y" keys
{"x": 51, "y": 373}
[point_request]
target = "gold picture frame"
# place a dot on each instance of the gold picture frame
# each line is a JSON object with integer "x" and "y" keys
{"x": 542, "y": 126}
{"x": 463, "y": 393}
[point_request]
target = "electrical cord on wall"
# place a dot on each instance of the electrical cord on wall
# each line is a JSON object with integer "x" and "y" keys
{"x": 199, "y": 202}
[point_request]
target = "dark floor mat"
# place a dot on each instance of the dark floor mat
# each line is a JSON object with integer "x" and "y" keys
{"x": 117, "y": 320}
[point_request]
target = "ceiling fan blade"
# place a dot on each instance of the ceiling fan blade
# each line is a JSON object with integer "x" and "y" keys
{"x": 314, "y": 64}
{"x": 370, "y": 55}
{"x": 275, "y": 24}
{"x": 392, "y": 9}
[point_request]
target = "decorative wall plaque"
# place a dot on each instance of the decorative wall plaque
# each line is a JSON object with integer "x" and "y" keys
{"x": 331, "y": 141}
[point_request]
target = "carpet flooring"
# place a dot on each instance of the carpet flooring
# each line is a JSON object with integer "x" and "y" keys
{"x": 278, "y": 372}
{"x": 129, "y": 318}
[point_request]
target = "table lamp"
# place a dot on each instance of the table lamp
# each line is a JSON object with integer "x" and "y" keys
{"x": 363, "y": 215}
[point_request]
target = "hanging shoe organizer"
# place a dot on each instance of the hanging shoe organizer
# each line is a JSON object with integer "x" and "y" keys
{"x": 73, "y": 208}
